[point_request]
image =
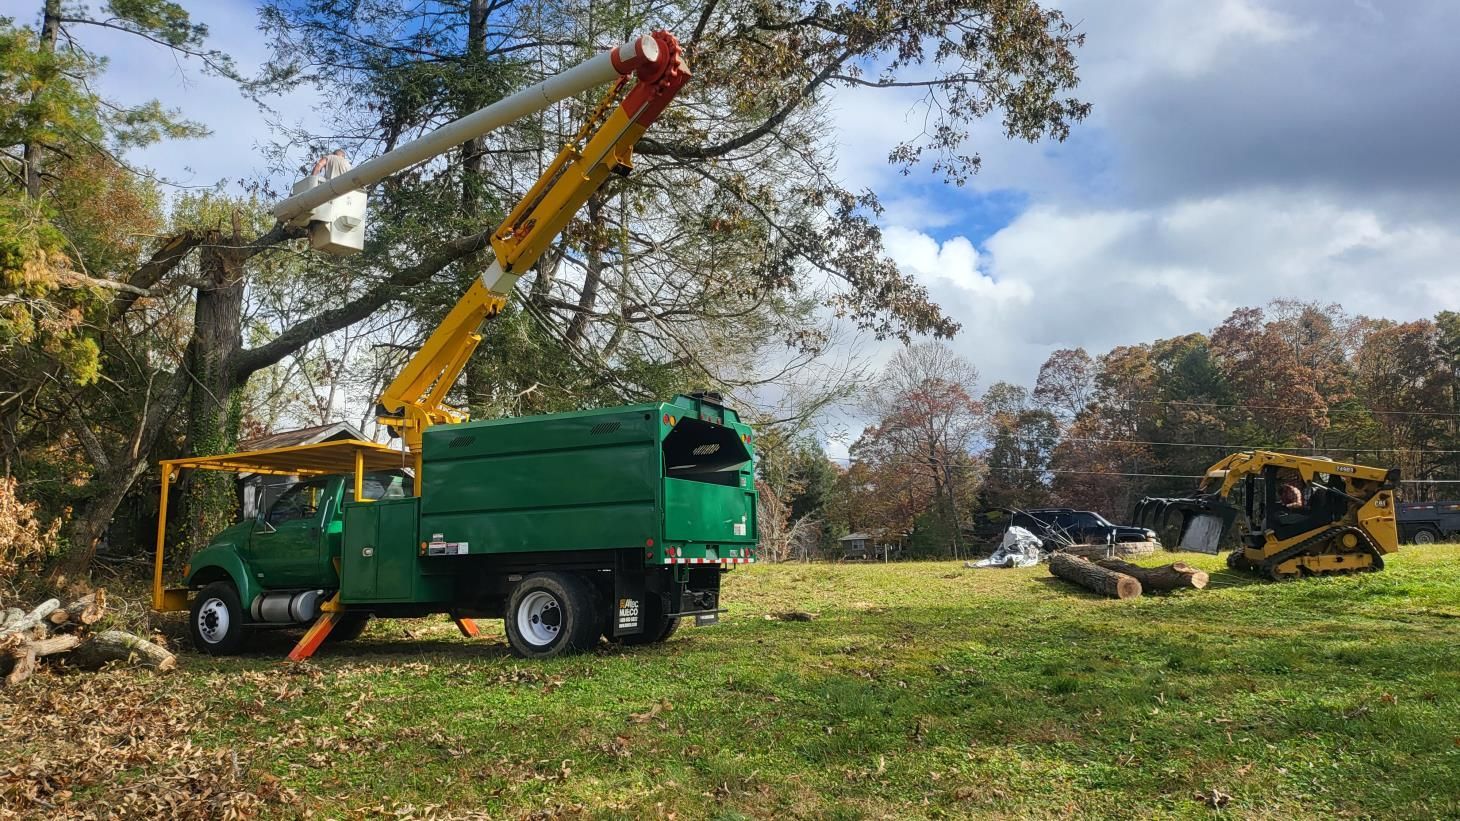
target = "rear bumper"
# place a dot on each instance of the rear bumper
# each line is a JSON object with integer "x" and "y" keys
{"x": 698, "y": 560}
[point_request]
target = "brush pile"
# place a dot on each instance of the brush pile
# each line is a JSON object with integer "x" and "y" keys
{"x": 52, "y": 631}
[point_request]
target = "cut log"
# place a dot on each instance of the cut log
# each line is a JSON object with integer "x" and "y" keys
{"x": 1165, "y": 578}
{"x": 1081, "y": 571}
{"x": 114, "y": 645}
{"x": 55, "y": 644}
{"x": 35, "y": 617}
{"x": 86, "y": 610}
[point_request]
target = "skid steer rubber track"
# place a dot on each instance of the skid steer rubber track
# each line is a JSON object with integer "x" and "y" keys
{"x": 1271, "y": 565}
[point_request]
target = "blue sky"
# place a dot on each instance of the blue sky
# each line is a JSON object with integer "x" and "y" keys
{"x": 1239, "y": 151}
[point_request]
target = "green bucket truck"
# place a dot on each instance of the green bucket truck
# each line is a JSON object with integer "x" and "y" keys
{"x": 615, "y": 522}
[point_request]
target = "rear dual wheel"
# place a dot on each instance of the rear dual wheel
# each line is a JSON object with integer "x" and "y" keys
{"x": 551, "y": 614}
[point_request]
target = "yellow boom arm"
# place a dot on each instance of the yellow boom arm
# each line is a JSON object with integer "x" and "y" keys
{"x": 416, "y": 398}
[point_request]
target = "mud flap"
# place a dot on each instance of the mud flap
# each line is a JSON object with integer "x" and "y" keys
{"x": 627, "y": 609}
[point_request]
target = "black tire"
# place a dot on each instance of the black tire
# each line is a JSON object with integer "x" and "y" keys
{"x": 217, "y": 620}
{"x": 657, "y": 626}
{"x": 551, "y": 614}
{"x": 1425, "y": 535}
{"x": 348, "y": 628}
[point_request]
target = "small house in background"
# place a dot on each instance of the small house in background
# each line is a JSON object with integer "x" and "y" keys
{"x": 257, "y": 491}
{"x": 869, "y": 547}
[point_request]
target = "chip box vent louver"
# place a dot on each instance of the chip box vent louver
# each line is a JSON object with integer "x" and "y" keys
{"x": 604, "y": 427}
{"x": 706, "y": 450}
{"x": 461, "y": 441}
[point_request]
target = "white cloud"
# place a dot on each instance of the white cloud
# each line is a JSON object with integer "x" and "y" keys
{"x": 1064, "y": 276}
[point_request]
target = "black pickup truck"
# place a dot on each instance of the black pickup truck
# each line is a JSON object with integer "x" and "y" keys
{"x": 1078, "y": 526}
{"x": 1428, "y": 522}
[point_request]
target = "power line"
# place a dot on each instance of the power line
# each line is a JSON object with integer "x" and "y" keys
{"x": 849, "y": 461}
{"x": 1316, "y": 408}
{"x": 1230, "y": 447}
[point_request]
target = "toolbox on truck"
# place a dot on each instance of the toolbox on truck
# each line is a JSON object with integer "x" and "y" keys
{"x": 380, "y": 559}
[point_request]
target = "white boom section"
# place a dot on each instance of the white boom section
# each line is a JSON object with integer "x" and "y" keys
{"x": 580, "y": 78}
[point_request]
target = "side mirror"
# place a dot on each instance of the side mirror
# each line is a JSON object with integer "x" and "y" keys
{"x": 263, "y": 525}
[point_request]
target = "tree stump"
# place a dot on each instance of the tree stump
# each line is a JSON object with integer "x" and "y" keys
{"x": 1164, "y": 579}
{"x": 1080, "y": 571}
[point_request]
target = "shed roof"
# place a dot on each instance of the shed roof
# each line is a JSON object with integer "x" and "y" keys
{"x": 302, "y": 436}
{"x": 857, "y": 537}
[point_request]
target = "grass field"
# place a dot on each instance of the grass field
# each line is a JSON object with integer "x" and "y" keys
{"x": 919, "y": 690}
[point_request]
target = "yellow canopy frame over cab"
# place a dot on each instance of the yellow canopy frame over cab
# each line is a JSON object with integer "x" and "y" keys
{"x": 341, "y": 457}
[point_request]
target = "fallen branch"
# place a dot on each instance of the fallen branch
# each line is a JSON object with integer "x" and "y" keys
{"x": 34, "y": 618}
{"x": 114, "y": 645}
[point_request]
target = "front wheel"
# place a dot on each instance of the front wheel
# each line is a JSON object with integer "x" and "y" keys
{"x": 217, "y": 620}
{"x": 348, "y": 628}
{"x": 550, "y": 614}
{"x": 1426, "y": 535}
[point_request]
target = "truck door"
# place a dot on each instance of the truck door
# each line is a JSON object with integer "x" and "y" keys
{"x": 287, "y": 539}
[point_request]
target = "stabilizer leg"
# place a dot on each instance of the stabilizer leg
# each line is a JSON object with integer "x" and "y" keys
{"x": 314, "y": 637}
{"x": 467, "y": 627}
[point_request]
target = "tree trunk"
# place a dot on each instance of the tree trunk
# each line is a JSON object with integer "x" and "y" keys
{"x": 1164, "y": 579}
{"x": 592, "y": 270}
{"x": 474, "y": 151}
{"x": 1080, "y": 571}
{"x": 34, "y": 153}
{"x": 212, "y": 407}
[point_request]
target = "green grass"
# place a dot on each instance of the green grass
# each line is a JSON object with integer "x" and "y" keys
{"x": 920, "y": 690}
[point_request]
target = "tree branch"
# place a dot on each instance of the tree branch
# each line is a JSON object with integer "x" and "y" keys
{"x": 367, "y": 303}
{"x": 690, "y": 152}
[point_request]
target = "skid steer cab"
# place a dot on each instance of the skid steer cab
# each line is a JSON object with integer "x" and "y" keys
{"x": 1296, "y": 515}
{"x": 615, "y": 523}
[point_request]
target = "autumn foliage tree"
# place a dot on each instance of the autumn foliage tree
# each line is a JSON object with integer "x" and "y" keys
{"x": 915, "y": 463}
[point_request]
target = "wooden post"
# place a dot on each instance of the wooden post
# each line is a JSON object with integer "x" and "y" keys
{"x": 359, "y": 475}
{"x": 161, "y": 538}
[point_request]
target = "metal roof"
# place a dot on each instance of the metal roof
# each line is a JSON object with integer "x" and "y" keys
{"x": 303, "y": 436}
{"x": 320, "y": 459}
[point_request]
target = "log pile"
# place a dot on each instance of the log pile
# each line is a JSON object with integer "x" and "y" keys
{"x": 54, "y": 631}
{"x": 1123, "y": 580}
{"x": 1083, "y": 572}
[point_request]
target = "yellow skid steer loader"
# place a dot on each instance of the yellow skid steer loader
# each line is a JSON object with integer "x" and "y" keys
{"x": 1297, "y": 515}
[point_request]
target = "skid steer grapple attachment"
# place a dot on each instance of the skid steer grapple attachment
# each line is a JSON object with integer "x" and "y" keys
{"x": 1198, "y": 522}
